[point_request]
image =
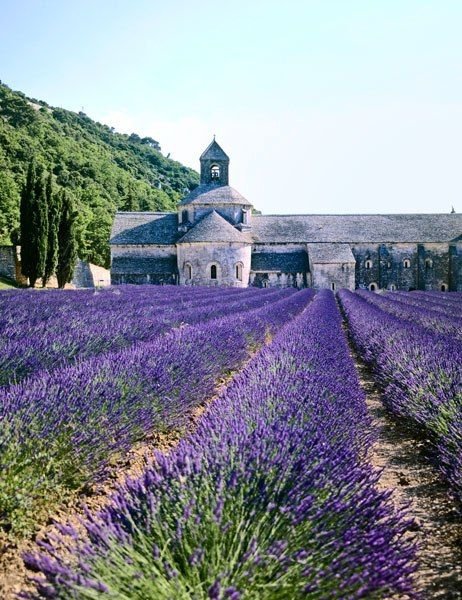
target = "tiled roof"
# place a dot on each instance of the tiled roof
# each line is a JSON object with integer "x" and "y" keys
{"x": 356, "y": 228}
{"x": 143, "y": 265}
{"x": 330, "y": 253}
{"x": 214, "y": 152}
{"x": 212, "y": 193}
{"x": 282, "y": 262}
{"x": 214, "y": 228}
{"x": 144, "y": 228}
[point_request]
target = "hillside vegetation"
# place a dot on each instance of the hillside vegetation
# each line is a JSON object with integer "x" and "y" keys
{"x": 103, "y": 170}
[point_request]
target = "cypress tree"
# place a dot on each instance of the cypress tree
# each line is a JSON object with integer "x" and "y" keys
{"x": 53, "y": 225}
{"x": 41, "y": 225}
{"x": 26, "y": 235}
{"x": 67, "y": 244}
{"x": 34, "y": 225}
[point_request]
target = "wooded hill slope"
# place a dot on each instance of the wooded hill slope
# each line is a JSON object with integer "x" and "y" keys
{"x": 103, "y": 170}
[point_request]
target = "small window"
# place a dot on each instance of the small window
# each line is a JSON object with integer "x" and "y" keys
{"x": 428, "y": 263}
{"x": 392, "y": 287}
{"x": 373, "y": 287}
{"x": 444, "y": 287}
{"x": 368, "y": 264}
{"x": 332, "y": 286}
{"x": 213, "y": 272}
{"x": 188, "y": 271}
{"x": 215, "y": 172}
{"x": 406, "y": 263}
{"x": 239, "y": 271}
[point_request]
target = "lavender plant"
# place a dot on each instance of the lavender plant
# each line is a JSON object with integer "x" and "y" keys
{"x": 47, "y": 341}
{"x": 270, "y": 498}
{"x": 443, "y": 303}
{"x": 64, "y": 428}
{"x": 425, "y": 316}
{"x": 420, "y": 374}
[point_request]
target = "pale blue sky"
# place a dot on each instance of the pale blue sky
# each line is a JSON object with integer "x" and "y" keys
{"x": 323, "y": 106}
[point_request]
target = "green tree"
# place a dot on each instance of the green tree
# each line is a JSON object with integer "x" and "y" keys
{"x": 67, "y": 246}
{"x": 26, "y": 233}
{"x": 34, "y": 225}
{"x": 9, "y": 207}
{"x": 130, "y": 203}
{"x": 41, "y": 223}
{"x": 53, "y": 205}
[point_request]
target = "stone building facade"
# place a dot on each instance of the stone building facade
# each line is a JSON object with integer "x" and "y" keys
{"x": 215, "y": 239}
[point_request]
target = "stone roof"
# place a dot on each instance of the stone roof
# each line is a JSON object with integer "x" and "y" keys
{"x": 330, "y": 253}
{"x": 356, "y": 228}
{"x": 213, "y": 193}
{"x": 281, "y": 262}
{"x": 144, "y": 265}
{"x": 214, "y": 228}
{"x": 162, "y": 228}
{"x": 144, "y": 228}
{"x": 214, "y": 152}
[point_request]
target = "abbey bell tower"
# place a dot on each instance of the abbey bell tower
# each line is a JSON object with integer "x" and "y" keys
{"x": 214, "y": 165}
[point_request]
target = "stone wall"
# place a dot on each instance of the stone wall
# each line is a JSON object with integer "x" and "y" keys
{"x": 278, "y": 280}
{"x": 333, "y": 276}
{"x": 144, "y": 278}
{"x": 7, "y": 262}
{"x": 87, "y": 275}
{"x": 455, "y": 267}
{"x": 10, "y": 264}
{"x": 196, "y": 259}
{"x": 405, "y": 266}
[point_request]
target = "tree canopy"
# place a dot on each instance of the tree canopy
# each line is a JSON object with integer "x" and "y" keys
{"x": 103, "y": 170}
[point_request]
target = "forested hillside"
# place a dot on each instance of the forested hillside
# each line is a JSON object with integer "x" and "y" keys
{"x": 102, "y": 169}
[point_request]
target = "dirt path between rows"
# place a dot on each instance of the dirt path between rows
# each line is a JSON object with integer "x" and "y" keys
{"x": 438, "y": 521}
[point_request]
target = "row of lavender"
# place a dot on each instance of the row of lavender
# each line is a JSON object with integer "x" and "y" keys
{"x": 448, "y": 304}
{"x": 418, "y": 369}
{"x": 52, "y": 331}
{"x": 420, "y": 311}
{"x": 269, "y": 498}
{"x": 63, "y": 428}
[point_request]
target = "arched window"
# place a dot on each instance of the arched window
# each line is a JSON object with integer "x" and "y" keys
{"x": 213, "y": 272}
{"x": 392, "y": 287}
{"x": 428, "y": 263}
{"x": 444, "y": 287}
{"x": 406, "y": 263}
{"x": 332, "y": 286}
{"x": 239, "y": 271}
{"x": 215, "y": 172}
{"x": 368, "y": 264}
{"x": 373, "y": 287}
{"x": 188, "y": 271}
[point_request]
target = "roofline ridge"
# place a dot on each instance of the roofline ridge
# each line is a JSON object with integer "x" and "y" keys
{"x": 355, "y": 214}
{"x": 213, "y": 142}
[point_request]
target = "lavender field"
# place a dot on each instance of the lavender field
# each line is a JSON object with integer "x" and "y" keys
{"x": 270, "y": 494}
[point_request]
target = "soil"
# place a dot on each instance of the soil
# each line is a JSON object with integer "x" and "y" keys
{"x": 402, "y": 455}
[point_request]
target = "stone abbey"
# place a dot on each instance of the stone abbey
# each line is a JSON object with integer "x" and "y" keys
{"x": 215, "y": 239}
